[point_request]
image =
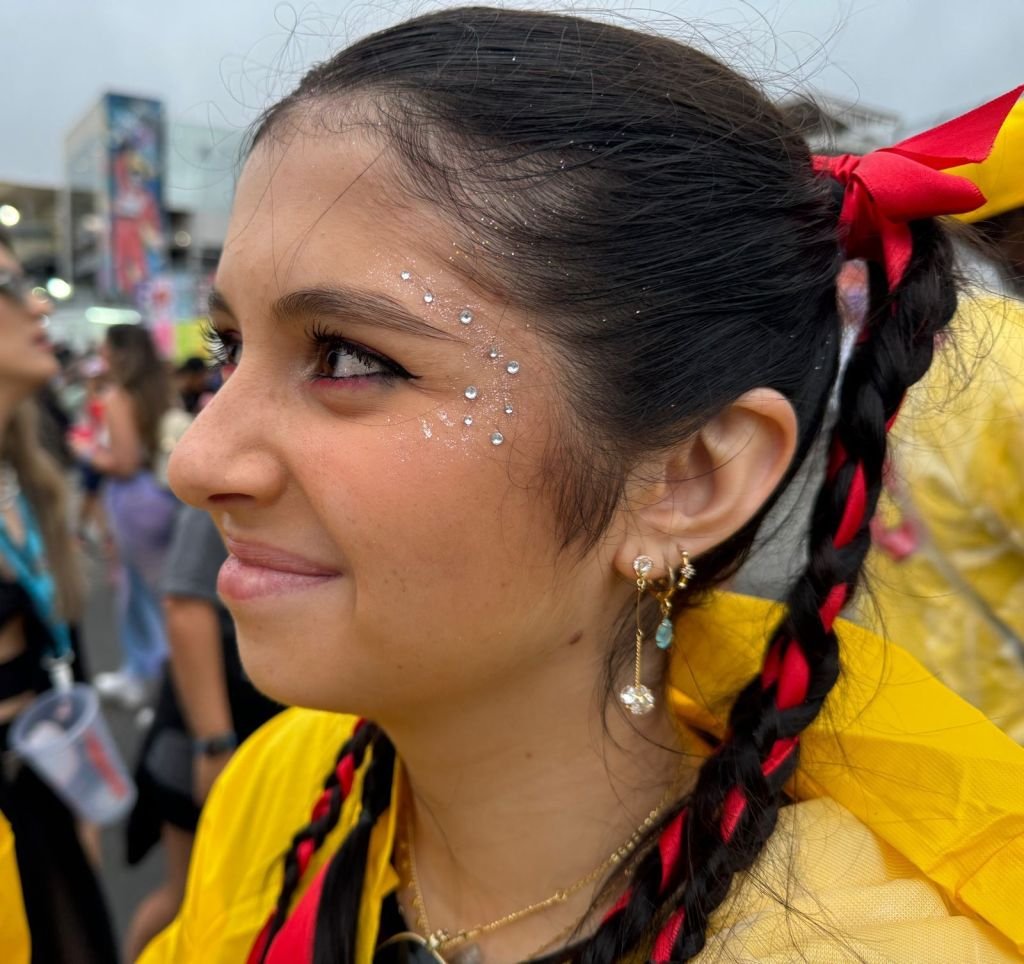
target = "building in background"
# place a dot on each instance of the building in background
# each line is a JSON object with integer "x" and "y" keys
{"x": 835, "y": 126}
{"x": 135, "y": 231}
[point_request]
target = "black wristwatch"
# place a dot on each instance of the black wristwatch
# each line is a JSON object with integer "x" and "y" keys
{"x": 215, "y": 745}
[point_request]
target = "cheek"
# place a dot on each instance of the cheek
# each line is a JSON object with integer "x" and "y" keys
{"x": 439, "y": 528}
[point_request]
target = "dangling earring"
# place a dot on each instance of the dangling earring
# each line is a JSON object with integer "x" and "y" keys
{"x": 677, "y": 580}
{"x": 637, "y": 698}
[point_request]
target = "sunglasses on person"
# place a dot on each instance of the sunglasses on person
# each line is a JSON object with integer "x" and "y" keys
{"x": 15, "y": 286}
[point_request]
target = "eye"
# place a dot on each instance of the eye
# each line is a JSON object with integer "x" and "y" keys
{"x": 225, "y": 347}
{"x": 339, "y": 360}
{"x": 346, "y": 361}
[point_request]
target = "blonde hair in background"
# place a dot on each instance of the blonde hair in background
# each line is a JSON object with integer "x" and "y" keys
{"x": 43, "y": 484}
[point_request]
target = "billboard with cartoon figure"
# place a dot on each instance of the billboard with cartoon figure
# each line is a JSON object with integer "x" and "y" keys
{"x": 137, "y": 248}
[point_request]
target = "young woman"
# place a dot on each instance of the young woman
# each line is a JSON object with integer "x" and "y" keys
{"x": 140, "y": 510}
{"x": 533, "y": 319}
{"x": 65, "y": 908}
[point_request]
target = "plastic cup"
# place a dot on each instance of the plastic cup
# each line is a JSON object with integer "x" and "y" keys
{"x": 62, "y": 735}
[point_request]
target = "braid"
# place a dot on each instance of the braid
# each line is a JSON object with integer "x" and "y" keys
{"x": 723, "y": 826}
{"x": 737, "y": 798}
{"x": 337, "y": 915}
{"x": 326, "y": 813}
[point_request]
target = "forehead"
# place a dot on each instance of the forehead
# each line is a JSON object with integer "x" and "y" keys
{"x": 319, "y": 204}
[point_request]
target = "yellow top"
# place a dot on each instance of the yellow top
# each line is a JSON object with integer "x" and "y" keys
{"x": 909, "y": 836}
{"x": 948, "y": 573}
{"x": 14, "y": 939}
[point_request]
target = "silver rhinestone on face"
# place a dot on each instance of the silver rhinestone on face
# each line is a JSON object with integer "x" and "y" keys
{"x": 468, "y": 420}
{"x": 497, "y": 438}
{"x": 512, "y": 367}
{"x": 493, "y": 353}
{"x": 508, "y": 409}
{"x": 466, "y": 317}
{"x": 428, "y": 298}
{"x": 471, "y": 392}
{"x": 406, "y": 276}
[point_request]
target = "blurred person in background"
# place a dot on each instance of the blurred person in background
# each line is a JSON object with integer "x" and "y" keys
{"x": 193, "y": 384}
{"x": 65, "y": 908}
{"x": 90, "y": 430}
{"x": 140, "y": 510}
{"x": 206, "y": 708}
{"x": 948, "y": 567}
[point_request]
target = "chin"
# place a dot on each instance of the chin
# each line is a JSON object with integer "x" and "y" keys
{"x": 293, "y": 674}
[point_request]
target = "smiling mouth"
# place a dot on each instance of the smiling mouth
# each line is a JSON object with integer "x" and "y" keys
{"x": 256, "y": 571}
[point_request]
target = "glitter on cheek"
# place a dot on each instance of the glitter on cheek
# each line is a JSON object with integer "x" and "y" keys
{"x": 428, "y": 432}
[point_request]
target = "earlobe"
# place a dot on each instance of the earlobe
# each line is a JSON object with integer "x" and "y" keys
{"x": 705, "y": 490}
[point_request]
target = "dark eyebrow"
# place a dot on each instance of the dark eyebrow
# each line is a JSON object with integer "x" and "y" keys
{"x": 217, "y": 302}
{"x": 363, "y": 306}
{"x": 337, "y": 300}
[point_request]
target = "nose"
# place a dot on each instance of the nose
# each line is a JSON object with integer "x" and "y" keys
{"x": 227, "y": 459}
{"x": 38, "y": 305}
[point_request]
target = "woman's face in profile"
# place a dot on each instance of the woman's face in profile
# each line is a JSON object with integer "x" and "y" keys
{"x": 376, "y": 460}
{"x": 26, "y": 356}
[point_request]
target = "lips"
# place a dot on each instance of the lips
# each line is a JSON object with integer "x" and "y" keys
{"x": 258, "y": 571}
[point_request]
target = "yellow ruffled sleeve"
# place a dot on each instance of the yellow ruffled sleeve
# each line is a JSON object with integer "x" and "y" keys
{"x": 263, "y": 797}
{"x": 922, "y": 769}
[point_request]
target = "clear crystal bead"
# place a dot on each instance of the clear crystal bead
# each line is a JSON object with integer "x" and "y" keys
{"x": 493, "y": 353}
{"x": 468, "y": 420}
{"x": 642, "y": 565}
{"x": 639, "y": 700}
{"x": 428, "y": 298}
{"x": 466, "y": 317}
{"x": 497, "y": 438}
{"x": 512, "y": 367}
{"x": 471, "y": 392}
{"x": 406, "y": 275}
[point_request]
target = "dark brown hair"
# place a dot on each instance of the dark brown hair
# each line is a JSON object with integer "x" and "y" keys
{"x": 137, "y": 368}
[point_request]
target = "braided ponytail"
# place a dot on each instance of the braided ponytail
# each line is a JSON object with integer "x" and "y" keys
{"x": 723, "y": 826}
{"x": 338, "y": 913}
{"x": 324, "y": 819}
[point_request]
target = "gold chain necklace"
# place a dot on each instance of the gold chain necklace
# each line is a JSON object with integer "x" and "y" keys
{"x": 441, "y": 940}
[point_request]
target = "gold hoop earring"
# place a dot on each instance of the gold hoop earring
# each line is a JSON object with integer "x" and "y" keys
{"x": 678, "y": 580}
{"x": 636, "y": 697}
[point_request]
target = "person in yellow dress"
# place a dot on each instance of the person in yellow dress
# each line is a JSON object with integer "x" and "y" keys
{"x": 948, "y": 571}
{"x": 532, "y": 318}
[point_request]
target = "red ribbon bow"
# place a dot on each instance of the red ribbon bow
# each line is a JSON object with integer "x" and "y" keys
{"x": 892, "y": 186}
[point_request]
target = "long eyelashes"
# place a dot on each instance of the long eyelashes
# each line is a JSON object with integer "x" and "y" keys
{"x": 224, "y": 347}
{"x": 333, "y": 358}
{"x": 336, "y": 353}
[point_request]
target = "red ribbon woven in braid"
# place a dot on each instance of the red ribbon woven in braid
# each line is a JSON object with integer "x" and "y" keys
{"x": 345, "y": 772}
{"x": 884, "y": 191}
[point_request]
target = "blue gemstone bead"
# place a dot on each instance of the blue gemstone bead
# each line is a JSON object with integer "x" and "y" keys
{"x": 663, "y": 637}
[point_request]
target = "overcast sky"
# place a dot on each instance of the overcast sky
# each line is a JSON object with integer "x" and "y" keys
{"x": 221, "y": 60}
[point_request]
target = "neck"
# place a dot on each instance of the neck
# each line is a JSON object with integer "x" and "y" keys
{"x": 525, "y": 792}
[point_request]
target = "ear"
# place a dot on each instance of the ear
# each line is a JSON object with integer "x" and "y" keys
{"x": 696, "y": 495}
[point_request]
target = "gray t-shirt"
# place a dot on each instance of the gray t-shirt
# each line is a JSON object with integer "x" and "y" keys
{"x": 194, "y": 558}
